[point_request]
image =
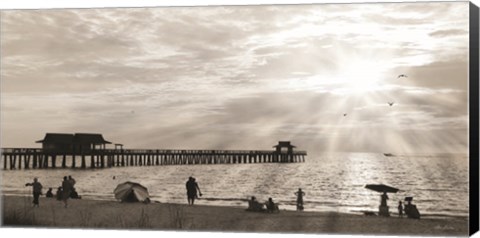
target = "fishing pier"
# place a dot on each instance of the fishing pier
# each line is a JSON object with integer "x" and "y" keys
{"x": 88, "y": 151}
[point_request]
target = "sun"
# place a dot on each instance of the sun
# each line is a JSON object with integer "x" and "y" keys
{"x": 360, "y": 76}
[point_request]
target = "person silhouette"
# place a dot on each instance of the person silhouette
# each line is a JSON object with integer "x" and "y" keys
{"x": 410, "y": 209}
{"x": 67, "y": 187}
{"x": 59, "y": 194}
{"x": 49, "y": 193}
{"x": 37, "y": 191}
{"x": 384, "y": 198}
{"x": 192, "y": 187}
{"x": 299, "y": 195}
{"x": 254, "y": 205}
{"x": 271, "y": 206}
{"x": 400, "y": 209}
{"x": 72, "y": 181}
{"x": 383, "y": 209}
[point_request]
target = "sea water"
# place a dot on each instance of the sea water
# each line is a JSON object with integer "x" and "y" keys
{"x": 332, "y": 182}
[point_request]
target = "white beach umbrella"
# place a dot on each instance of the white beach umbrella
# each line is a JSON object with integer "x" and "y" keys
{"x": 131, "y": 192}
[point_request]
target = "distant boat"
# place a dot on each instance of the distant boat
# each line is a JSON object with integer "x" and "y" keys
{"x": 388, "y": 154}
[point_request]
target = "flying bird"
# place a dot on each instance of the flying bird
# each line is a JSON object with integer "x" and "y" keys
{"x": 344, "y": 114}
{"x": 402, "y": 76}
{"x": 390, "y": 103}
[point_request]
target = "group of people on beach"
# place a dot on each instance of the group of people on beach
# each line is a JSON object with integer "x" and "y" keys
{"x": 64, "y": 192}
{"x": 271, "y": 206}
{"x": 67, "y": 190}
{"x": 409, "y": 209}
{"x": 253, "y": 205}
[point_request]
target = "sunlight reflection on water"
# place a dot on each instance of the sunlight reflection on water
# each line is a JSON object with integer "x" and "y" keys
{"x": 332, "y": 182}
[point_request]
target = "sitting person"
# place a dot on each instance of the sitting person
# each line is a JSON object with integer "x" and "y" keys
{"x": 49, "y": 193}
{"x": 74, "y": 194}
{"x": 271, "y": 206}
{"x": 59, "y": 193}
{"x": 254, "y": 205}
{"x": 411, "y": 210}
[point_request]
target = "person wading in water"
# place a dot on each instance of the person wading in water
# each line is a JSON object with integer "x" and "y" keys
{"x": 192, "y": 188}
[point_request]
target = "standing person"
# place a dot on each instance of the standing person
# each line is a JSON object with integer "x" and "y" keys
{"x": 383, "y": 209}
{"x": 192, "y": 188}
{"x": 299, "y": 195}
{"x": 37, "y": 191}
{"x": 384, "y": 198}
{"x": 400, "y": 209}
{"x": 67, "y": 189}
{"x": 72, "y": 181}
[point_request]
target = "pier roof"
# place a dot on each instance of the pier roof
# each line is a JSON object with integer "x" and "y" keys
{"x": 59, "y": 138}
{"x": 84, "y": 138}
{"x": 77, "y": 138}
{"x": 284, "y": 144}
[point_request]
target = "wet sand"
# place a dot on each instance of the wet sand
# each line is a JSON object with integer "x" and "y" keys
{"x": 161, "y": 216}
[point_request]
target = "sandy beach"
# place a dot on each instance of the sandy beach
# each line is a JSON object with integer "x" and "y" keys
{"x": 160, "y": 216}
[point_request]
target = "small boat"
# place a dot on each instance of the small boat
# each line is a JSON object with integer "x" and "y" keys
{"x": 388, "y": 154}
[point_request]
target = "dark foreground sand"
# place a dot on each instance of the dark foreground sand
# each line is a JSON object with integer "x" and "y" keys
{"x": 159, "y": 216}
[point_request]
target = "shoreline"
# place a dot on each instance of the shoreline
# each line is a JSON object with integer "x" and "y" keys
{"x": 359, "y": 212}
{"x": 101, "y": 214}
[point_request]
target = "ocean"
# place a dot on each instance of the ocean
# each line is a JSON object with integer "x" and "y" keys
{"x": 332, "y": 182}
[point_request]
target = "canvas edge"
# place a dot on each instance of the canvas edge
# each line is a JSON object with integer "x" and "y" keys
{"x": 474, "y": 118}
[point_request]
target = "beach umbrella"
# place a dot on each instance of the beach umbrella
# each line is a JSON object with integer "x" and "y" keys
{"x": 381, "y": 188}
{"x": 131, "y": 192}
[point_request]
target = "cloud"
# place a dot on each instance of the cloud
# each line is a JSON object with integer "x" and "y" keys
{"x": 450, "y": 32}
{"x": 246, "y": 76}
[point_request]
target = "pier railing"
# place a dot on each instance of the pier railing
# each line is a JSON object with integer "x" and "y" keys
{"x": 36, "y": 158}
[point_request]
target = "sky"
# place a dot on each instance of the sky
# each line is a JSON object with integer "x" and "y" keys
{"x": 240, "y": 77}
